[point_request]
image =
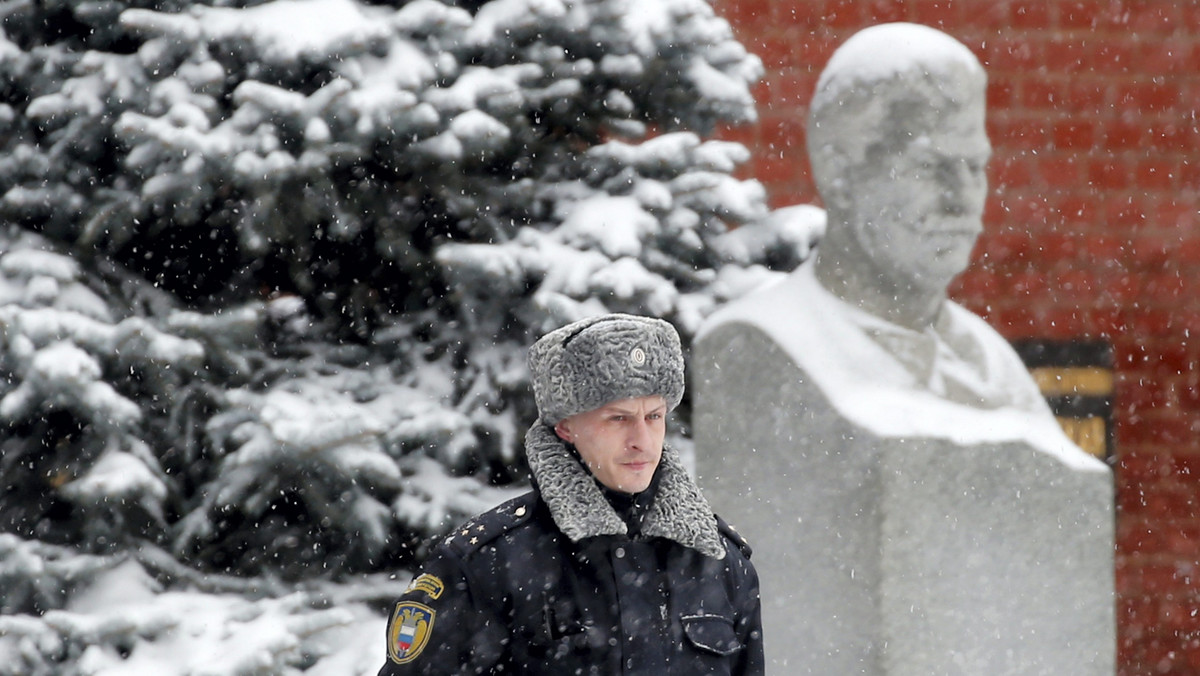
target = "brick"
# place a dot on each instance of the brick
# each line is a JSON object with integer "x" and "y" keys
{"x": 1171, "y": 212}
{"x": 884, "y": 11}
{"x": 1030, "y": 14}
{"x": 1171, "y": 135}
{"x": 1079, "y": 13}
{"x": 1173, "y": 55}
{"x": 1020, "y": 132}
{"x": 1074, "y": 134}
{"x": 1166, "y": 287}
{"x": 1001, "y": 93}
{"x": 1147, "y": 97}
{"x": 784, "y": 137}
{"x": 1183, "y": 538}
{"x": 1154, "y": 174}
{"x": 945, "y": 15}
{"x": 807, "y": 52}
{"x": 1133, "y": 616}
{"x": 791, "y": 193}
{"x": 1130, "y": 213}
{"x": 1139, "y": 536}
{"x": 1040, "y": 93}
{"x": 1138, "y": 468}
{"x": 1125, "y": 133}
{"x": 773, "y": 170}
{"x": 1011, "y": 54}
{"x": 994, "y": 15}
{"x": 790, "y": 91}
{"x": 1060, "y": 172}
{"x": 1161, "y": 503}
{"x": 1011, "y": 171}
{"x": 799, "y": 14}
{"x": 747, "y": 135}
{"x": 1186, "y": 467}
{"x": 1014, "y": 321}
{"x": 1161, "y": 578}
{"x": 1057, "y": 246}
{"x": 1154, "y": 18}
{"x": 751, "y": 15}
{"x": 1113, "y": 58}
{"x": 778, "y": 49}
{"x": 1086, "y": 93}
{"x": 1108, "y": 173}
{"x": 1189, "y": 173}
{"x": 1189, "y": 14}
{"x": 1006, "y": 245}
{"x": 843, "y": 15}
{"x": 1121, "y": 290}
{"x": 1068, "y": 54}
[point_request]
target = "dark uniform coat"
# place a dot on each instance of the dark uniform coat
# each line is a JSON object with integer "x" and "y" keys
{"x": 555, "y": 582}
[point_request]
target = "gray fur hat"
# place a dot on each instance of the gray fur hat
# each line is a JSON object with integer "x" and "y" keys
{"x": 586, "y": 364}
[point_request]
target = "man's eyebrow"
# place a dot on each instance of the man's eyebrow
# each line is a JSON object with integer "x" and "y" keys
{"x": 628, "y": 411}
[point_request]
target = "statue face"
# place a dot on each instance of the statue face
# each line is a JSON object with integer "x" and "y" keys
{"x": 915, "y": 199}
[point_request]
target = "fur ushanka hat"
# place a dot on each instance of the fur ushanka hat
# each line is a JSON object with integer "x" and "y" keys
{"x": 586, "y": 364}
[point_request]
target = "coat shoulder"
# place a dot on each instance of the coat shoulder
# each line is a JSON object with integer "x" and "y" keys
{"x": 733, "y": 537}
{"x": 484, "y": 528}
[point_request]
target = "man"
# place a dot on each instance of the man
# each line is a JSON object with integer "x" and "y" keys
{"x": 900, "y": 448}
{"x": 613, "y": 563}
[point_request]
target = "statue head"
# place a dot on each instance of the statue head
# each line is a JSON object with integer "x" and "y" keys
{"x": 898, "y": 148}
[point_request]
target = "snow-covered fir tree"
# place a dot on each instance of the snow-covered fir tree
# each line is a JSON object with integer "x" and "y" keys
{"x": 268, "y": 272}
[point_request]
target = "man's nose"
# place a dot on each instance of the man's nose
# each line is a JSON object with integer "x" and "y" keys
{"x": 639, "y": 435}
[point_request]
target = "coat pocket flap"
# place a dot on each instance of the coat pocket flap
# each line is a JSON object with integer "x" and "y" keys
{"x": 712, "y": 633}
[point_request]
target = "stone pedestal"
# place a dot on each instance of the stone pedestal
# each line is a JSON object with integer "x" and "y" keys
{"x": 901, "y": 555}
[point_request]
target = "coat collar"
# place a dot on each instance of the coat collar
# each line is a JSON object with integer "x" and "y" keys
{"x": 679, "y": 511}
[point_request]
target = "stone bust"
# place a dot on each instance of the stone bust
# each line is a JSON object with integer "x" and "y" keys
{"x": 898, "y": 148}
{"x": 883, "y": 449}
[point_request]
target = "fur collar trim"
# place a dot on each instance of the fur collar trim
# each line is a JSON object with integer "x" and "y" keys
{"x": 679, "y": 511}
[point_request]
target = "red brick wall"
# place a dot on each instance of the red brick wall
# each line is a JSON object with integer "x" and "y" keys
{"x": 1091, "y": 233}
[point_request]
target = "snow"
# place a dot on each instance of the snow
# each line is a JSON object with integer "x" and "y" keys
{"x": 614, "y": 225}
{"x": 877, "y": 394}
{"x": 506, "y": 17}
{"x": 193, "y": 633}
{"x": 288, "y": 30}
{"x": 116, "y": 476}
{"x": 646, "y": 21}
{"x": 879, "y": 52}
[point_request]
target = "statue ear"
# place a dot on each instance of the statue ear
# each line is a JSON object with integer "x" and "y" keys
{"x": 830, "y": 166}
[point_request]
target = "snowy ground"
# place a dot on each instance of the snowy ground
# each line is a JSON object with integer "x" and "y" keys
{"x": 332, "y": 631}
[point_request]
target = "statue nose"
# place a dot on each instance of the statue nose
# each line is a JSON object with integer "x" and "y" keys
{"x": 961, "y": 189}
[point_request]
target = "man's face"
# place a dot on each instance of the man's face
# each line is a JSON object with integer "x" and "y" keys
{"x": 916, "y": 201}
{"x": 621, "y": 442}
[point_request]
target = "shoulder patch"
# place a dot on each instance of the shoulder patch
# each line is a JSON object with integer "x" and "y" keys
{"x": 735, "y": 537}
{"x": 490, "y": 525}
{"x": 431, "y": 585}
{"x": 408, "y": 630}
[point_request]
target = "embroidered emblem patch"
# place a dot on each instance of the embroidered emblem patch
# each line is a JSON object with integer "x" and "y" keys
{"x": 409, "y": 630}
{"x": 430, "y": 584}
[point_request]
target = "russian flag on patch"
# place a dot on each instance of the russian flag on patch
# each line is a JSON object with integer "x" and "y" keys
{"x": 408, "y": 631}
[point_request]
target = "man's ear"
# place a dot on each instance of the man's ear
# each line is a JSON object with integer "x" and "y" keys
{"x": 563, "y": 429}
